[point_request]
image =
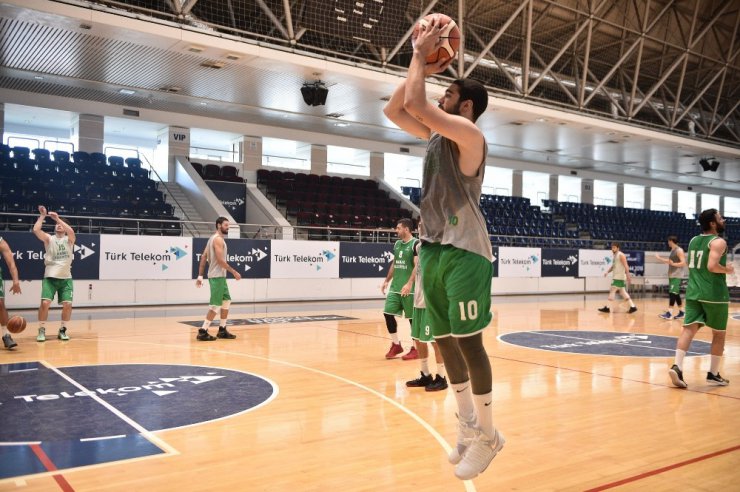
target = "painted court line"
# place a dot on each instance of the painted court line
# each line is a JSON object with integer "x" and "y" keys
{"x": 469, "y": 486}
{"x": 662, "y": 470}
{"x": 86, "y": 439}
{"x": 144, "y": 432}
{"x": 24, "y": 370}
{"x": 49, "y": 465}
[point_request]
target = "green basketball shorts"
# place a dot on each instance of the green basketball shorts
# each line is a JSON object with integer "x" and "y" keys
{"x": 710, "y": 314}
{"x": 457, "y": 290}
{"x": 420, "y": 329}
{"x": 674, "y": 285}
{"x": 62, "y": 287}
{"x": 219, "y": 291}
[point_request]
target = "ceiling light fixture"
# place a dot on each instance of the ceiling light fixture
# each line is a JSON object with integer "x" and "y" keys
{"x": 708, "y": 165}
{"x": 128, "y": 92}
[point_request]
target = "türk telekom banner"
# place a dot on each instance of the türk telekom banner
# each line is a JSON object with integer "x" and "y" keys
{"x": 365, "y": 260}
{"x": 304, "y": 259}
{"x": 636, "y": 262}
{"x": 145, "y": 257}
{"x": 559, "y": 262}
{"x": 249, "y": 257}
{"x": 519, "y": 262}
{"x": 233, "y": 196}
{"x": 28, "y": 253}
{"x": 594, "y": 262}
{"x": 494, "y": 261}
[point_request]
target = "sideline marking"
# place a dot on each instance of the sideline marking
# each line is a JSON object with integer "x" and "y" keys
{"x": 661, "y": 470}
{"x": 49, "y": 465}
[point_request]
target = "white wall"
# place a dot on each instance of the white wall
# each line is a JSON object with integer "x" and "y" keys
{"x": 110, "y": 293}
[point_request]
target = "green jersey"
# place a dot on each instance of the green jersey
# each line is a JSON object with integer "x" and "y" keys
{"x": 704, "y": 285}
{"x": 403, "y": 264}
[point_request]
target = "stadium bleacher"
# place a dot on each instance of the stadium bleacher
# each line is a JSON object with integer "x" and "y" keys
{"x": 92, "y": 190}
{"x": 514, "y": 221}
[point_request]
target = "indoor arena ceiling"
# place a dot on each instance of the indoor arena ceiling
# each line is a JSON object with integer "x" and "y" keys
{"x": 645, "y": 71}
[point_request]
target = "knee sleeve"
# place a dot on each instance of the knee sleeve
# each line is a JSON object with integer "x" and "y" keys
{"x": 390, "y": 323}
{"x": 672, "y": 298}
{"x": 623, "y": 293}
{"x": 213, "y": 308}
{"x": 225, "y": 304}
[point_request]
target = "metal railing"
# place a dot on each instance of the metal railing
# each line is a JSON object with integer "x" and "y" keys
{"x": 187, "y": 223}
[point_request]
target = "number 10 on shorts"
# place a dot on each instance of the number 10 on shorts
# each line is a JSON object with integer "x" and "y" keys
{"x": 468, "y": 310}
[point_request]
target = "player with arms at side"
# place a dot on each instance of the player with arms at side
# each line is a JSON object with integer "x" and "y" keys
{"x": 676, "y": 262}
{"x": 456, "y": 251}
{"x": 58, "y": 273}
{"x": 399, "y": 300}
{"x": 422, "y": 335}
{"x": 620, "y": 279}
{"x": 215, "y": 253}
{"x": 707, "y": 297}
{"x": 7, "y": 254}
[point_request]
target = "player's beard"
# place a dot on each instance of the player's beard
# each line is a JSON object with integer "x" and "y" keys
{"x": 720, "y": 228}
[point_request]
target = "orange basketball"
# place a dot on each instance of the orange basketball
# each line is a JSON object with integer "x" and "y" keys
{"x": 16, "y": 324}
{"x": 449, "y": 37}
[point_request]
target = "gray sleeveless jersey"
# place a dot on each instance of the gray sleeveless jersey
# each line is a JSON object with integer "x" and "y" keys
{"x": 674, "y": 271}
{"x": 450, "y": 200}
{"x": 214, "y": 269}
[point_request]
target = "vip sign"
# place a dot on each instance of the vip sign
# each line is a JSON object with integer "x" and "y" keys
{"x": 304, "y": 259}
{"x": 594, "y": 262}
{"x": 179, "y": 136}
{"x": 145, "y": 257}
{"x": 519, "y": 262}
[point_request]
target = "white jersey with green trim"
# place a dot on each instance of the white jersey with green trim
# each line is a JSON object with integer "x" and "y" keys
{"x": 58, "y": 257}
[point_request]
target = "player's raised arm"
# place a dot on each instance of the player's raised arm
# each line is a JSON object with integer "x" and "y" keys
{"x": 37, "y": 231}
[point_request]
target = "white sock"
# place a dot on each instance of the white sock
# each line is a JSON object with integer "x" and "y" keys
{"x": 484, "y": 409}
{"x": 714, "y": 366}
{"x": 206, "y": 324}
{"x": 42, "y": 324}
{"x": 680, "y": 354}
{"x": 222, "y": 324}
{"x": 5, "y": 330}
{"x": 424, "y": 366}
{"x": 394, "y": 336}
{"x": 441, "y": 370}
{"x": 464, "y": 397}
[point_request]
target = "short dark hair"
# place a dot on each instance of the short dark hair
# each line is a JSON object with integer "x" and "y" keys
{"x": 407, "y": 223}
{"x": 706, "y": 218}
{"x": 614, "y": 243}
{"x": 472, "y": 90}
{"x": 220, "y": 221}
{"x": 673, "y": 239}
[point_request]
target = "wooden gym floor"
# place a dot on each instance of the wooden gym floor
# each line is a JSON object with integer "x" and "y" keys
{"x": 343, "y": 419}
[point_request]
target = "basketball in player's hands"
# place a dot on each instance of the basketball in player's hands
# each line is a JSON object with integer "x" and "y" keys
{"x": 449, "y": 37}
{"x": 16, "y": 324}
